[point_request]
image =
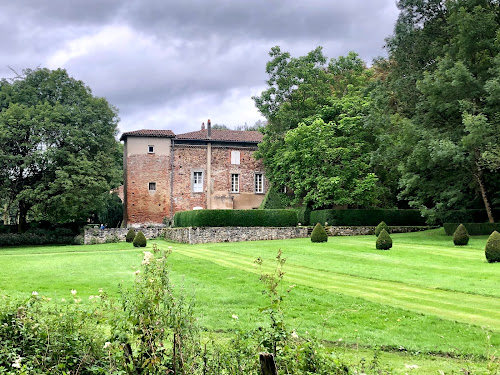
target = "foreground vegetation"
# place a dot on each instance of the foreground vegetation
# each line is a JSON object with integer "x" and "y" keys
{"x": 425, "y": 302}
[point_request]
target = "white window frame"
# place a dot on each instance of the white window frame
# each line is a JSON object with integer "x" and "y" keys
{"x": 197, "y": 181}
{"x": 235, "y": 157}
{"x": 258, "y": 185}
{"x": 235, "y": 183}
{"x": 152, "y": 185}
{"x": 151, "y": 149}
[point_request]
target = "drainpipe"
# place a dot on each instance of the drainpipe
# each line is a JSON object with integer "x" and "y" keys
{"x": 172, "y": 180}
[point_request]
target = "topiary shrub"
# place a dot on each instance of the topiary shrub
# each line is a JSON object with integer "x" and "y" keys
{"x": 130, "y": 236}
{"x": 382, "y": 225}
{"x": 492, "y": 250}
{"x": 384, "y": 241}
{"x": 140, "y": 240}
{"x": 461, "y": 236}
{"x": 319, "y": 234}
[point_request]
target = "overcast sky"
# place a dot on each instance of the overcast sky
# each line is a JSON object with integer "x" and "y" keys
{"x": 173, "y": 64}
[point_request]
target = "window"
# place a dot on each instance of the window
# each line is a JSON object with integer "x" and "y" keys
{"x": 235, "y": 183}
{"x": 259, "y": 183}
{"x": 197, "y": 182}
{"x": 235, "y": 157}
{"x": 151, "y": 149}
{"x": 152, "y": 186}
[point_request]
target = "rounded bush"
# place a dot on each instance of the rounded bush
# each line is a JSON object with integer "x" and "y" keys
{"x": 140, "y": 240}
{"x": 384, "y": 241}
{"x": 130, "y": 236}
{"x": 461, "y": 236}
{"x": 492, "y": 250}
{"x": 382, "y": 225}
{"x": 319, "y": 234}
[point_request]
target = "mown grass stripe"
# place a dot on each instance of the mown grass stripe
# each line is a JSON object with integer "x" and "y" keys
{"x": 467, "y": 308}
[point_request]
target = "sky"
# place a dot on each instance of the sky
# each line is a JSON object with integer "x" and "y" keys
{"x": 168, "y": 64}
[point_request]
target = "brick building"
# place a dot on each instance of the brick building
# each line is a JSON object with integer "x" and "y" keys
{"x": 206, "y": 169}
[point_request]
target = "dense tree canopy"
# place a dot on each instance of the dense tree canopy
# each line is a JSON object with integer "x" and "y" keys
{"x": 424, "y": 123}
{"x": 58, "y": 153}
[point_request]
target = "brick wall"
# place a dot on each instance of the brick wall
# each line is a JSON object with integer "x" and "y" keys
{"x": 143, "y": 205}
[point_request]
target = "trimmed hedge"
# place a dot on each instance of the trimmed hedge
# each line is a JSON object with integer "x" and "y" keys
{"x": 39, "y": 236}
{"x": 468, "y": 216}
{"x": 369, "y": 217}
{"x": 380, "y": 227}
{"x": 461, "y": 236}
{"x": 236, "y": 218}
{"x": 139, "y": 240}
{"x": 474, "y": 229}
{"x": 492, "y": 249}
{"x": 319, "y": 234}
{"x": 384, "y": 241}
{"x": 130, "y": 235}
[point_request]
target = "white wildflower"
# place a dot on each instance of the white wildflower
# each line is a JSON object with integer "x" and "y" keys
{"x": 170, "y": 248}
{"x": 235, "y": 317}
{"x": 91, "y": 297}
{"x": 34, "y": 293}
{"x": 411, "y": 367}
{"x": 147, "y": 258}
{"x": 107, "y": 344}
{"x": 17, "y": 362}
{"x": 73, "y": 292}
{"x": 294, "y": 334}
{"x": 101, "y": 290}
{"x": 137, "y": 272}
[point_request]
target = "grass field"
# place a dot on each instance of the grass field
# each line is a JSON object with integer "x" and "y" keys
{"x": 424, "y": 302}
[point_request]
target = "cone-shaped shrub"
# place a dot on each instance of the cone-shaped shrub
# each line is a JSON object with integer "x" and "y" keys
{"x": 492, "y": 250}
{"x": 139, "y": 240}
{"x": 461, "y": 236}
{"x": 130, "y": 236}
{"x": 319, "y": 234}
{"x": 381, "y": 226}
{"x": 384, "y": 241}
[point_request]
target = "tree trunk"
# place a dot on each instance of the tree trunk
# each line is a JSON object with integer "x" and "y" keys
{"x": 23, "y": 212}
{"x": 267, "y": 364}
{"x": 479, "y": 178}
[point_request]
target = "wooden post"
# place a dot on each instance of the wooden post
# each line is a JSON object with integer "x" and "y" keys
{"x": 267, "y": 364}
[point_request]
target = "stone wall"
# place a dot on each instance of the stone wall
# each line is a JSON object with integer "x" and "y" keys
{"x": 357, "y": 231}
{"x": 231, "y": 234}
{"x": 94, "y": 235}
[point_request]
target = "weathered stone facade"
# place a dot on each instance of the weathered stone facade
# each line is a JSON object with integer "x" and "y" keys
{"x": 160, "y": 168}
{"x": 94, "y": 235}
{"x": 231, "y": 234}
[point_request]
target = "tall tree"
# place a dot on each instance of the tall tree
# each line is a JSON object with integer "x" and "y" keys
{"x": 443, "y": 85}
{"x": 58, "y": 149}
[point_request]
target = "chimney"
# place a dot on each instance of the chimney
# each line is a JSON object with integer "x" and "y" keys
{"x": 202, "y": 126}
{"x": 209, "y": 129}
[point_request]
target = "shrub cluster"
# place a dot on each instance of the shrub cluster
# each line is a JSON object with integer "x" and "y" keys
{"x": 319, "y": 234}
{"x": 473, "y": 229}
{"x": 384, "y": 241}
{"x": 461, "y": 237}
{"x": 139, "y": 240}
{"x": 492, "y": 249}
{"x": 38, "y": 236}
{"x": 236, "y": 218}
{"x": 275, "y": 199}
{"x": 368, "y": 217}
{"x": 381, "y": 226}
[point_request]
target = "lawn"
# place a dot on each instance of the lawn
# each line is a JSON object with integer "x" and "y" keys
{"x": 424, "y": 301}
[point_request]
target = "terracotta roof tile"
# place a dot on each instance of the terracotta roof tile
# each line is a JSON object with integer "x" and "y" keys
{"x": 149, "y": 133}
{"x": 223, "y": 135}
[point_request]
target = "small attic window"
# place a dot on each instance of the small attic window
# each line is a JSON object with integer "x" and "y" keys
{"x": 152, "y": 186}
{"x": 151, "y": 149}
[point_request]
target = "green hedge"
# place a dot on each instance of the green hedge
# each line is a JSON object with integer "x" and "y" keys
{"x": 368, "y": 217}
{"x": 236, "y": 218}
{"x": 468, "y": 216}
{"x": 474, "y": 229}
